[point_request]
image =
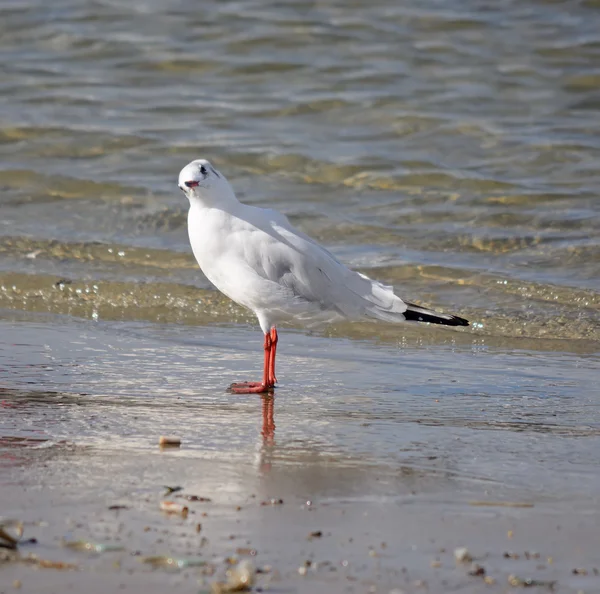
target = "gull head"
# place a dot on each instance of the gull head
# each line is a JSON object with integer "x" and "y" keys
{"x": 201, "y": 182}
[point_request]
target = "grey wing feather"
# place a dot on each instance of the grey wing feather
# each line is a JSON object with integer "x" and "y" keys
{"x": 314, "y": 274}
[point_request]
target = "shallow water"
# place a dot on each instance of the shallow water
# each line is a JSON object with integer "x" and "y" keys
{"x": 404, "y": 450}
{"x": 460, "y": 417}
{"x": 450, "y": 149}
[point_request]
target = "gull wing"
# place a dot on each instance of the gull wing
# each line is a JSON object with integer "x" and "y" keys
{"x": 297, "y": 262}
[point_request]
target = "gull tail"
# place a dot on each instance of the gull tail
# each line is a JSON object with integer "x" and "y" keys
{"x": 414, "y": 313}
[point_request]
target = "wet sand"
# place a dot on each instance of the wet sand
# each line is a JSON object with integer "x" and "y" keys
{"x": 363, "y": 531}
{"x": 405, "y": 452}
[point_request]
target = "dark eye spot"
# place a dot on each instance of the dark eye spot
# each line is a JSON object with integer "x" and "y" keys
{"x": 203, "y": 170}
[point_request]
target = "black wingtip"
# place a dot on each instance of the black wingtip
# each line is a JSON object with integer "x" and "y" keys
{"x": 414, "y": 313}
{"x": 458, "y": 321}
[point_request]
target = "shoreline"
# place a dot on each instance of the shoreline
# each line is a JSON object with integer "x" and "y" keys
{"x": 355, "y": 543}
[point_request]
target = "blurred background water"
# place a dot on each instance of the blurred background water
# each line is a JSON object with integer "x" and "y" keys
{"x": 449, "y": 148}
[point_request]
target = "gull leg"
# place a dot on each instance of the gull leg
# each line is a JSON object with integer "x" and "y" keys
{"x": 257, "y": 387}
{"x": 274, "y": 340}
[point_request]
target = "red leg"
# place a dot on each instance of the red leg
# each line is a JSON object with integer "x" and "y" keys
{"x": 274, "y": 340}
{"x": 257, "y": 387}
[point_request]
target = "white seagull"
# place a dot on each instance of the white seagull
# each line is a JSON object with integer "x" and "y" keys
{"x": 259, "y": 260}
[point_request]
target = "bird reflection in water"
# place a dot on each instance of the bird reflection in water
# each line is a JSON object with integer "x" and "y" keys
{"x": 268, "y": 427}
{"x": 266, "y": 449}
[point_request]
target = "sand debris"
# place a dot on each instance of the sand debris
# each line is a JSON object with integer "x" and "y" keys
{"x": 11, "y": 532}
{"x": 165, "y": 561}
{"x": 172, "y": 507}
{"x": 165, "y": 441}
{"x": 240, "y": 578}
{"x": 246, "y": 551}
{"x": 517, "y": 582}
{"x": 500, "y": 503}
{"x": 91, "y": 547}
{"x": 47, "y": 564}
{"x": 194, "y": 498}
{"x": 272, "y": 502}
{"x": 12, "y": 556}
{"x": 462, "y": 555}
{"x": 527, "y": 554}
{"x": 476, "y": 570}
{"x": 8, "y": 556}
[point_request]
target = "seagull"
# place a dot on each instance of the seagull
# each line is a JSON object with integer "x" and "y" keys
{"x": 259, "y": 260}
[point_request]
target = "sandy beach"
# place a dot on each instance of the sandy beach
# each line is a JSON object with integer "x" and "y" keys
{"x": 339, "y": 528}
{"x": 365, "y": 499}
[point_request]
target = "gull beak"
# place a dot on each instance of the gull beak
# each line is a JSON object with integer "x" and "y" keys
{"x": 191, "y": 184}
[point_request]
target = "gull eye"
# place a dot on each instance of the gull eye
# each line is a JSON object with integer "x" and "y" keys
{"x": 203, "y": 170}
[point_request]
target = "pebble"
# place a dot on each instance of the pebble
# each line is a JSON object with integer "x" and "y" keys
{"x": 476, "y": 569}
{"x": 462, "y": 555}
{"x": 174, "y": 508}
{"x": 169, "y": 442}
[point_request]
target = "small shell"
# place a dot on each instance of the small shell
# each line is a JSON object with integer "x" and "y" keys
{"x": 171, "y": 507}
{"x": 11, "y": 532}
{"x": 240, "y": 577}
{"x": 462, "y": 555}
